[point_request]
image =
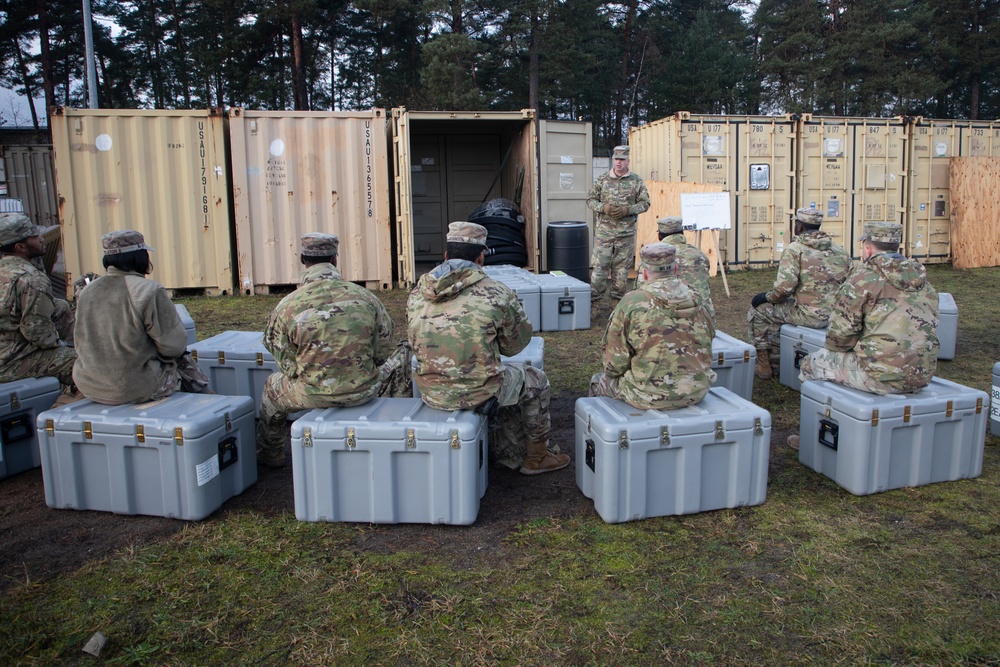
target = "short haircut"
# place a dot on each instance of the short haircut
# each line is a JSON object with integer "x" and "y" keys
{"x": 9, "y": 248}
{"x": 313, "y": 260}
{"x": 467, "y": 251}
{"x": 809, "y": 228}
{"x": 884, "y": 246}
{"x": 135, "y": 260}
{"x": 663, "y": 235}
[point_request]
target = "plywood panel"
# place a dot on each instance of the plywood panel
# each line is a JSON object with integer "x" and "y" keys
{"x": 975, "y": 198}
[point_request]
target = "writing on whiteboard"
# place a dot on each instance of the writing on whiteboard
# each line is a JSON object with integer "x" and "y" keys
{"x": 706, "y": 210}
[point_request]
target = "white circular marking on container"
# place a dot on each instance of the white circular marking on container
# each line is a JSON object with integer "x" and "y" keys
{"x": 103, "y": 142}
{"x": 941, "y": 148}
{"x": 277, "y": 148}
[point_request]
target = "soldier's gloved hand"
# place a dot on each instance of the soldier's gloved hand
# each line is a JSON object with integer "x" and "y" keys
{"x": 619, "y": 211}
{"x": 758, "y": 299}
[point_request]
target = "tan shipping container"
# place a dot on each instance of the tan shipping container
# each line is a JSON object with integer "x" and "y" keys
{"x": 27, "y": 173}
{"x": 301, "y": 172}
{"x": 751, "y": 157}
{"x": 160, "y": 172}
{"x": 853, "y": 170}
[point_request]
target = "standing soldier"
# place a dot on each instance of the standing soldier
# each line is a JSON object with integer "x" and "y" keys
{"x": 692, "y": 263}
{"x": 36, "y": 329}
{"x": 332, "y": 341}
{"x": 658, "y": 344}
{"x": 618, "y": 197}
{"x": 811, "y": 270}
{"x": 883, "y": 333}
{"x": 460, "y": 322}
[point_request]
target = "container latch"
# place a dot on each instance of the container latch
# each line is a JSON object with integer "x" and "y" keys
{"x": 307, "y": 437}
{"x": 15, "y": 402}
{"x": 229, "y": 423}
{"x": 351, "y": 442}
{"x": 260, "y": 358}
{"x": 455, "y": 442}
{"x": 179, "y": 436}
{"x": 222, "y": 357}
{"x": 50, "y": 427}
{"x": 874, "y": 417}
{"x": 949, "y": 408}
{"x": 623, "y": 440}
{"x": 194, "y": 354}
{"x": 757, "y": 428}
{"x": 411, "y": 439}
{"x": 979, "y": 405}
{"x": 722, "y": 357}
{"x": 720, "y": 432}
{"x": 746, "y": 356}
{"x": 88, "y": 430}
{"x": 140, "y": 433}
{"x": 664, "y": 436}
{"x": 906, "y": 412}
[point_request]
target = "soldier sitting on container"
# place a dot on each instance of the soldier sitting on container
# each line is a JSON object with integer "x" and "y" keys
{"x": 883, "y": 332}
{"x": 692, "y": 264}
{"x": 658, "y": 344}
{"x": 811, "y": 270}
{"x": 460, "y": 322}
{"x": 36, "y": 329}
{"x": 131, "y": 344}
{"x": 332, "y": 341}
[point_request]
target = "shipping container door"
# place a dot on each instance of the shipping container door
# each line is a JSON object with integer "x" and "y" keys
{"x": 825, "y": 159}
{"x": 473, "y": 173}
{"x": 927, "y": 231}
{"x": 568, "y": 172}
{"x": 430, "y": 196}
{"x": 405, "y": 270}
{"x": 30, "y": 177}
{"x": 879, "y": 179}
{"x": 764, "y": 189}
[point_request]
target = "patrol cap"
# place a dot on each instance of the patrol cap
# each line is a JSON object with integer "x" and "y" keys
{"x": 882, "y": 232}
{"x": 466, "y": 232}
{"x": 658, "y": 257}
{"x": 123, "y": 240}
{"x": 316, "y": 244}
{"x": 620, "y": 153}
{"x": 809, "y": 216}
{"x": 670, "y": 224}
{"x": 16, "y": 227}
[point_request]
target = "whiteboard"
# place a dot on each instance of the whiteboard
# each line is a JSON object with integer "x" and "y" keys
{"x": 706, "y": 210}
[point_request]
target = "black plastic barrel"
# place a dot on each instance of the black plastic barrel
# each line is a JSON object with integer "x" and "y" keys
{"x": 569, "y": 248}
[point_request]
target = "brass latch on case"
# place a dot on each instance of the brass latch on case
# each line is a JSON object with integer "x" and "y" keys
{"x": 229, "y": 423}
{"x": 307, "y": 437}
{"x": 874, "y": 417}
{"x": 194, "y": 354}
{"x": 50, "y": 427}
{"x": 260, "y": 358}
{"x": 179, "y": 436}
{"x": 757, "y": 428}
{"x": 906, "y": 412}
{"x": 222, "y": 357}
{"x": 827, "y": 415}
{"x": 720, "y": 433}
{"x": 15, "y": 402}
{"x": 88, "y": 430}
{"x": 949, "y": 409}
{"x": 979, "y": 405}
{"x": 351, "y": 442}
{"x": 455, "y": 442}
{"x": 746, "y": 356}
{"x": 722, "y": 357}
{"x": 140, "y": 433}
{"x": 664, "y": 436}
{"x": 623, "y": 440}
{"x": 411, "y": 439}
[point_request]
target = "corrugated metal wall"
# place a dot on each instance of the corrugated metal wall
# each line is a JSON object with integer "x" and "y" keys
{"x": 30, "y": 177}
{"x": 161, "y": 172}
{"x": 301, "y": 172}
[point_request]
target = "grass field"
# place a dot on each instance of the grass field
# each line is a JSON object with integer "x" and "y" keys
{"x": 814, "y": 576}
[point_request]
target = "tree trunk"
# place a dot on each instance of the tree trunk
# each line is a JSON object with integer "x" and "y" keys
{"x": 23, "y": 69}
{"x": 43, "y": 36}
{"x": 301, "y": 100}
{"x": 533, "y": 60}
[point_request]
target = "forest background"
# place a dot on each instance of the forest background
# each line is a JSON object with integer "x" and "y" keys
{"x": 616, "y": 64}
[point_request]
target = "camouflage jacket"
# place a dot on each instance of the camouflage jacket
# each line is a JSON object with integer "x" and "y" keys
{"x": 460, "y": 322}
{"x": 26, "y": 309}
{"x": 331, "y": 335}
{"x": 811, "y": 270}
{"x": 629, "y": 189}
{"x": 692, "y": 268}
{"x": 887, "y": 313}
{"x": 659, "y": 342}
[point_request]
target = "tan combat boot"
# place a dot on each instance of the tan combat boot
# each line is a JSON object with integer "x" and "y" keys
{"x": 540, "y": 460}
{"x": 763, "y": 367}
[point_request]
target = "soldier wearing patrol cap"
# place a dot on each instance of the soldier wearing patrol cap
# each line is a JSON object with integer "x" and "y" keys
{"x": 617, "y": 198}
{"x": 460, "y": 323}
{"x": 658, "y": 343}
{"x": 130, "y": 341}
{"x": 882, "y": 336}
{"x": 36, "y": 329}
{"x": 810, "y": 271}
{"x": 692, "y": 263}
{"x": 332, "y": 341}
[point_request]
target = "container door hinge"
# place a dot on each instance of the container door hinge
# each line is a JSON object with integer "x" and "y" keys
{"x": 664, "y": 436}
{"x": 307, "y": 437}
{"x": 351, "y": 441}
{"x": 757, "y": 428}
{"x": 623, "y": 440}
{"x": 411, "y": 439}
{"x": 720, "y": 432}
{"x": 455, "y": 442}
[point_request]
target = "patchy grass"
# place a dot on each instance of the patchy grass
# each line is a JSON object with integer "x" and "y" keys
{"x": 812, "y": 576}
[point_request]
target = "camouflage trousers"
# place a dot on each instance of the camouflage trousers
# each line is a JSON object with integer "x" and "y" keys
{"x": 184, "y": 376}
{"x": 612, "y": 259}
{"x": 601, "y": 384}
{"x": 283, "y": 396}
{"x": 55, "y": 362}
{"x": 65, "y": 321}
{"x": 845, "y": 368}
{"x": 764, "y": 322}
{"x": 523, "y": 417}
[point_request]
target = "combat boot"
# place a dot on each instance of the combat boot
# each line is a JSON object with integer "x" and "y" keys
{"x": 763, "y": 367}
{"x": 540, "y": 460}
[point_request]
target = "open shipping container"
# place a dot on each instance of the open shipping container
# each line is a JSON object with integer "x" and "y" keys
{"x": 446, "y": 163}
{"x": 161, "y": 172}
{"x": 310, "y": 171}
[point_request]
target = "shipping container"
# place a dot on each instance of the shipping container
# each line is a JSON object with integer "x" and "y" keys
{"x": 932, "y": 145}
{"x": 751, "y": 157}
{"x": 567, "y": 175}
{"x": 854, "y": 171}
{"x": 447, "y": 163}
{"x": 310, "y": 171}
{"x": 161, "y": 172}
{"x": 27, "y": 172}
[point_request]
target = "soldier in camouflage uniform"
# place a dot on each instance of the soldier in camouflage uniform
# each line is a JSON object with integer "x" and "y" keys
{"x": 692, "y": 264}
{"x": 460, "y": 322}
{"x": 883, "y": 333}
{"x": 332, "y": 341}
{"x": 811, "y": 270}
{"x": 618, "y": 197}
{"x": 658, "y": 344}
{"x": 36, "y": 329}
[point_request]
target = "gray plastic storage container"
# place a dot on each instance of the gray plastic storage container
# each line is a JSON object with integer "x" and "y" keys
{"x": 565, "y": 302}
{"x": 796, "y": 343}
{"x": 20, "y": 403}
{"x": 733, "y": 362}
{"x": 391, "y": 460}
{"x": 188, "y": 321}
{"x": 947, "y": 330}
{"x": 180, "y": 457}
{"x": 868, "y": 443}
{"x": 236, "y": 363}
{"x": 637, "y": 464}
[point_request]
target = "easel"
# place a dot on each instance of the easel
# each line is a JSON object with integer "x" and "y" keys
{"x": 708, "y": 243}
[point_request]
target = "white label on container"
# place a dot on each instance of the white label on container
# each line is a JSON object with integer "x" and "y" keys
{"x": 208, "y": 471}
{"x": 103, "y": 142}
{"x": 565, "y": 181}
{"x": 995, "y": 404}
{"x": 277, "y": 148}
{"x": 566, "y": 159}
{"x": 781, "y": 246}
